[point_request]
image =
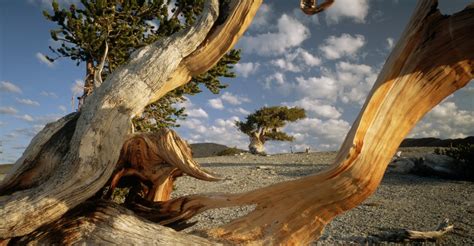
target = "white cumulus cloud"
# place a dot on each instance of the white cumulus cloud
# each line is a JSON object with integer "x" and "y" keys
{"x": 77, "y": 88}
{"x": 27, "y": 101}
{"x": 318, "y": 87}
{"x": 344, "y": 45}
{"x": 290, "y": 33}
{"x": 26, "y": 117}
{"x": 246, "y": 68}
{"x": 321, "y": 134}
{"x": 42, "y": 58}
{"x": 445, "y": 121}
{"x": 318, "y": 107}
{"x": 222, "y": 131}
{"x": 355, "y": 81}
{"x": 355, "y": 10}
{"x": 48, "y": 94}
{"x": 197, "y": 113}
{"x": 296, "y": 61}
{"x": 239, "y": 110}
{"x": 277, "y": 78}
{"x": 216, "y": 103}
{"x": 262, "y": 18}
{"x": 234, "y": 99}
{"x": 6, "y": 86}
{"x": 8, "y": 110}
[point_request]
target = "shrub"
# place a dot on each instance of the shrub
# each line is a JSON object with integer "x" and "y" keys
{"x": 464, "y": 156}
{"x": 461, "y": 153}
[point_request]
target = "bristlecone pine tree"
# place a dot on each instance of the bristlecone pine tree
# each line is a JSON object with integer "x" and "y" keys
{"x": 266, "y": 123}
{"x": 103, "y": 34}
{"x": 51, "y": 194}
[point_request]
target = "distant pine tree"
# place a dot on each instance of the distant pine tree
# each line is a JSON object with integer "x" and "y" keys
{"x": 106, "y": 32}
{"x": 266, "y": 123}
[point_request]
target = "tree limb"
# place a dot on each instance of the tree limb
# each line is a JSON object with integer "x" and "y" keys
{"x": 420, "y": 72}
{"x": 104, "y": 121}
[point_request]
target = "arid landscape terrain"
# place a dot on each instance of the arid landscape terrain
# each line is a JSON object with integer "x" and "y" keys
{"x": 402, "y": 201}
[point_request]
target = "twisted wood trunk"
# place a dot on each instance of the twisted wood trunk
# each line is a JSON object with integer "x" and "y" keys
{"x": 55, "y": 182}
{"x": 257, "y": 142}
{"x": 433, "y": 58}
{"x": 157, "y": 159}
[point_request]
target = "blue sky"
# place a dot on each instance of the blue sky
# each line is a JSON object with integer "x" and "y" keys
{"x": 325, "y": 63}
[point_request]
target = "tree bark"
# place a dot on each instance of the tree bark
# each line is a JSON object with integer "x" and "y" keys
{"x": 104, "y": 121}
{"x": 256, "y": 145}
{"x": 157, "y": 159}
{"x": 433, "y": 58}
{"x": 106, "y": 223}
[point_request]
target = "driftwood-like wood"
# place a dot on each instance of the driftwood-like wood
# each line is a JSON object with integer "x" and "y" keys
{"x": 311, "y": 7}
{"x": 404, "y": 235}
{"x": 433, "y": 58}
{"x": 157, "y": 159}
{"x": 76, "y": 174}
{"x": 106, "y": 223}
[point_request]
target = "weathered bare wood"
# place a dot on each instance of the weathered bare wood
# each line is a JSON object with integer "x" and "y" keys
{"x": 257, "y": 142}
{"x": 105, "y": 117}
{"x": 41, "y": 157}
{"x": 404, "y": 235}
{"x": 157, "y": 159}
{"x": 311, "y": 7}
{"x": 106, "y": 223}
{"x": 433, "y": 58}
{"x": 104, "y": 121}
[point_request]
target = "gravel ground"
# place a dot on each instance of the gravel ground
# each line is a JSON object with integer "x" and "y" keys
{"x": 401, "y": 201}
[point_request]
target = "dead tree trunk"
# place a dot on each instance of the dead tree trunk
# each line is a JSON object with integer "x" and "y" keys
{"x": 53, "y": 182}
{"x": 433, "y": 58}
{"x": 157, "y": 159}
{"x": 257, "y": 142}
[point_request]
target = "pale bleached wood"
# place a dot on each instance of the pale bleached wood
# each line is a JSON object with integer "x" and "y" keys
{"x": 105, "y": 116}
{"x": 29, "y": 169}
{"x": 106, "y": 223}
{"x": 405, "y": 235}
{"x": 101, "y": 128}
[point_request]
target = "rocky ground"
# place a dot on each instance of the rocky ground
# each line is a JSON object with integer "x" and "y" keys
{"x": 401, "y": 201}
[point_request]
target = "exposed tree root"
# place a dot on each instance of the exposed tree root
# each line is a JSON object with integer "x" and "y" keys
{"x": 157, "y": 159}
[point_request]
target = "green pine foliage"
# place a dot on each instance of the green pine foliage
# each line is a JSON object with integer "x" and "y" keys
{"x": 127, "y": 25}
{"x": 269, "y": 120}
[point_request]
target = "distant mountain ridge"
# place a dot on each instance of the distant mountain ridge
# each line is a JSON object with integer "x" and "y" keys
{"x": 207, "y": 149}
{"x": 436, "y": 142}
